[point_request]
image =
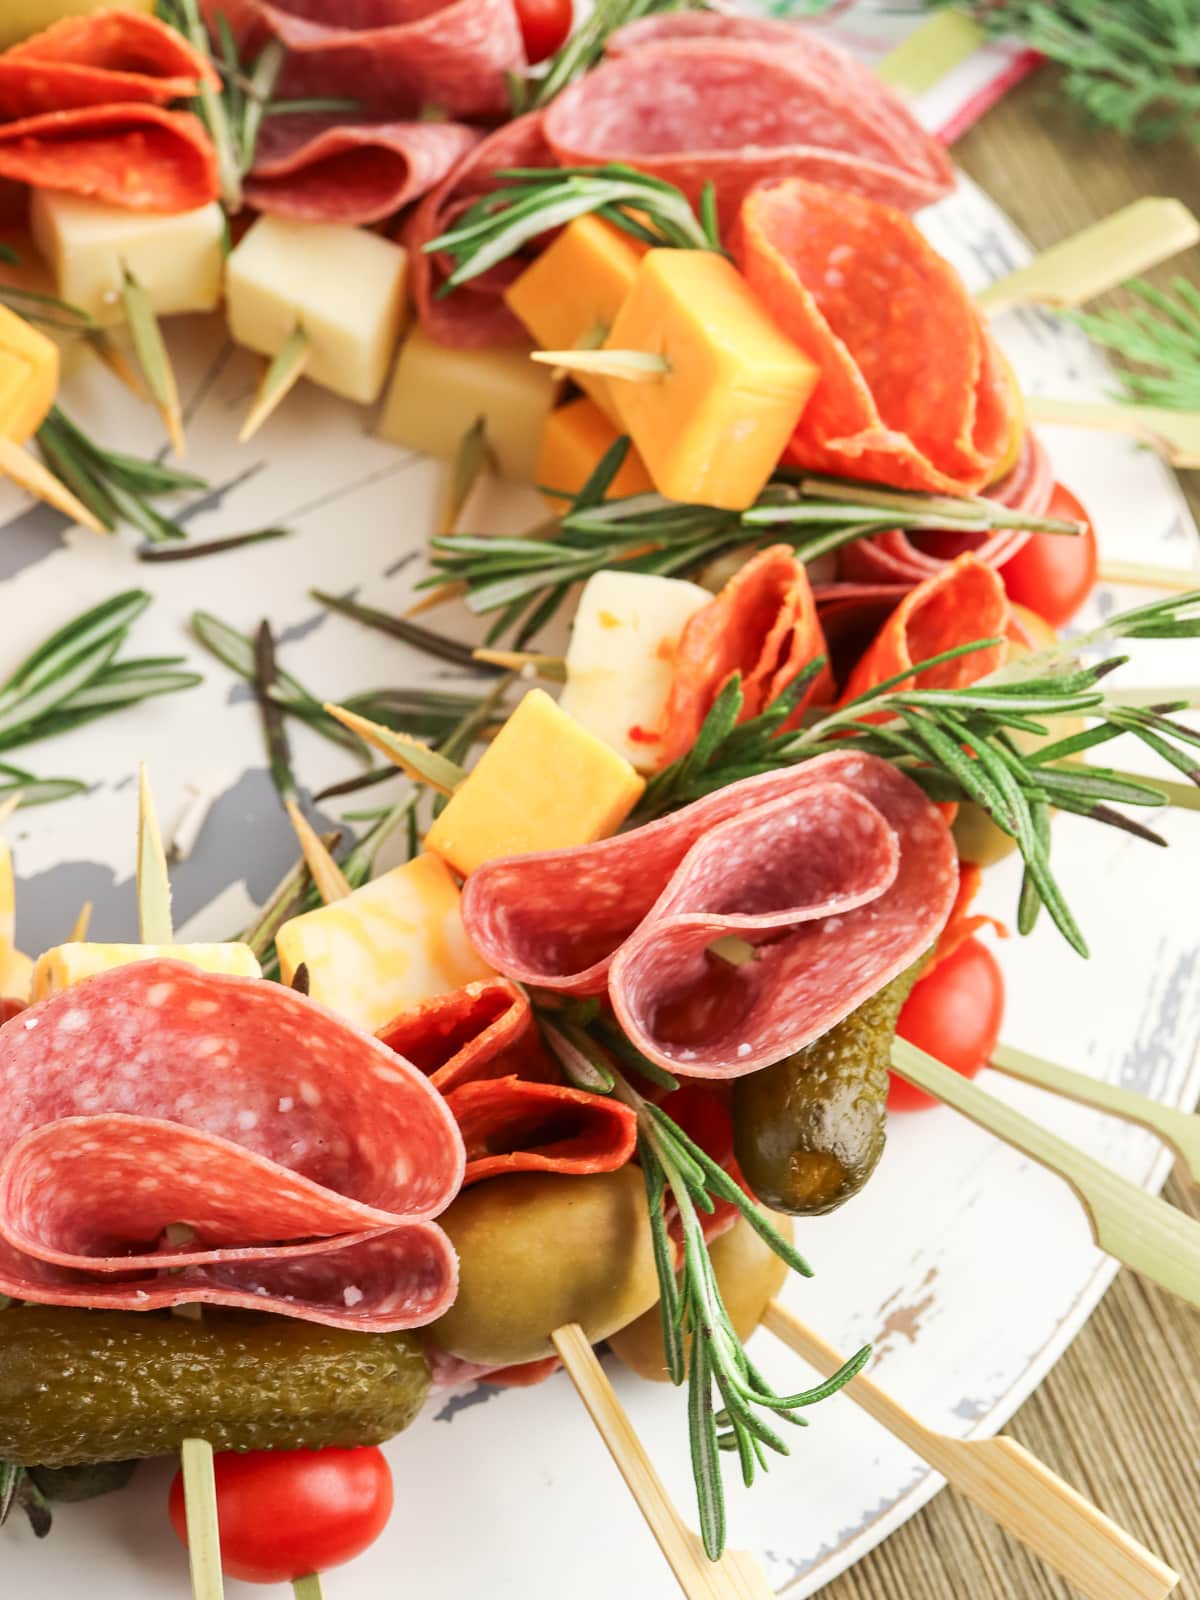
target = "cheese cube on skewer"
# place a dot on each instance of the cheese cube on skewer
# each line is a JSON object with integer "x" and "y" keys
{"x": 391, "y": 944}
{"x": 544, "y": 783}
{"x": 438, "y": 392}
{"x": 68, "y": 964}
{"x": 574, "y": 439}
{"x": 28, "y": 376}
{"x": 621, "y": 658}
{"x": 88, "y": 246}
{"x": 342, "y": 285}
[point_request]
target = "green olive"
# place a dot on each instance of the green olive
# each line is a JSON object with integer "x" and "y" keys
{"x": 538, "y": 1250}
{"x": 749, "y": 1274}
{"x": 809, "y": 1131}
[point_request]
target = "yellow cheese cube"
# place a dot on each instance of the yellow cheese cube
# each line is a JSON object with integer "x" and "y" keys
{"x": 16, "y": 976}
{"x": 542, "y": 784}
{"x": 178, "y": 259}
{"x": 574, "y": 439}
{"x": 342, "y": 285}
{"x": 438, "y": 392}
{"x": 8, "y": 902}
{"x": 621, "y": 658}
{"x": 28, "y": 376}
{"x": 712, "y": 428}
{"x": 19, "y": 19}
{"x": 569, "y": 298}
{"x": 68, "y": 964}
{"x": 391, "y": 944}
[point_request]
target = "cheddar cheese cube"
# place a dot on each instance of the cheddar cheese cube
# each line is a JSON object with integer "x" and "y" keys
{"x": 342, "y": 285}
{"x": 544, "y": 783}
{"x": 391, "y": 944}
{"x": 19, "y": 19}
{"x": 437, "y": 393}
{"x": 574, "y": 439}
{"x": 28, "y": 376}
{"x": 88, "y": 246}
{"x": 620, "y": 662}
{"x": 711, "y": 430}
{"x": 69, "y": 964}
{"x": 569, "y": 298}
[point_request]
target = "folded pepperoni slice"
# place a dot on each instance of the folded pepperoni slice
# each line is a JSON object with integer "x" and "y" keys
{"x": 108, "y": 58}
{"x": 305, "y": 1160}
{"x": 912, "y": 392}
{"x": 762, "y": 625}
{"x": 140, "y": 157}
{"x": 838, "y": 873}
{"x": 318, "y": 170}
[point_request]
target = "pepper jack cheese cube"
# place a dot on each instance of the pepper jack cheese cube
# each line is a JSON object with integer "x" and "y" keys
{"x": 438, "y": 392}
{"x": 69, "y": 964}
{"x": 28, "y": 376}
{"x": 391, "y": 944}
{"x": 570, "y": 296}
{"x": 621, "y": 658}
{"x": 87, "y": 245}
{"x": 573, "y": 441}
{"x": 711, "y": 430}
{"x": 544, "y": 783}
{"x": 342, "y": 285}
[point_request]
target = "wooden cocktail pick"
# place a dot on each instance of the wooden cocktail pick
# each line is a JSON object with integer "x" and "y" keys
{"x": 1146, "y": 575}
{"x": 1002, "y": 1478}
{"x": 1174, "y": 435}
{"x": 280, "y": 376}
{"x": 28, "y": 473}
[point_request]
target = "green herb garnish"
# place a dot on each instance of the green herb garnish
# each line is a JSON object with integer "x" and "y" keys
{"x": 1162, "y": 334}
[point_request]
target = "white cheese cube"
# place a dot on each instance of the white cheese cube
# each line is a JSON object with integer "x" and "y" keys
{"x": 437, "y": 392}
{"x": 391, "y": 944}
{"x": 177, "y": 259}
{"x": 342, "y": 285}
{"x": 621, "y": 658}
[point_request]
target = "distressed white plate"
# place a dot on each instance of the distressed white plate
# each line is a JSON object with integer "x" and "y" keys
{"x": 970, "y": 1269}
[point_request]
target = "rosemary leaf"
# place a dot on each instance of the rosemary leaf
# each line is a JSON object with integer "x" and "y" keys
{"x": 153, "y": 359}
{"x": 274, "y": 732}
{"x": 211, "y": 547}
{"x": 426, "y": 640}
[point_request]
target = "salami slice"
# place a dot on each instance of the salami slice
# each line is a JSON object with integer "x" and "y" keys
{"x": 139, "y": 157}
{"x": 397, "y": 56}
{"x": 763, "y": 625}
{"x": 474, "y": 315}
{"x": 912, "y": 392}
{"x": 108, "y": 58}
{"x": 839, "y": 871}
{"x": 314, "y": 169}
{"x": 963, "y": 602}
{"x": 307, "y": 1159}
{"x": 739, "y": 101}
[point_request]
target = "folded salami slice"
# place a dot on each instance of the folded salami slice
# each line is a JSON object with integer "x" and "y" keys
{"x": 108, "y": 58}
{"x": 474, "y": 315}
{"x": 318, "y": 170}
{"x": 912, "y": 392}
{"x": 736, "y": 101}
{"x": 763, "y": 624}
{"x": 140, "y": 157}
{"x": 839, "y": 871}
{"x": 963, "y": 602}
{"x": 307, "y": 1159}
{"x": 396, "y": 56}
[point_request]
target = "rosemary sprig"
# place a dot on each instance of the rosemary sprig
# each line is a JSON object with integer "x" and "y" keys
{"x": 115, "y": 487}
{"x": 266, "y": 678}
{"x": 536, "y": 200}
{"x": 210, "y": 547}
{"x": 959, "y": 745}
{"x": 427, "y": 640}
{"x": 583, "y": 50}
{"x": 1163, "y": 334}
{"x": 526, "y": 580}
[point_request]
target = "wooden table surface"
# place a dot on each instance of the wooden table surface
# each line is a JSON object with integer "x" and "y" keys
{"x": 1119, "y": 1417}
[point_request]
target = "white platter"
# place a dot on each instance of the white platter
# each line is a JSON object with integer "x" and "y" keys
{"x": 970, "y": 1269}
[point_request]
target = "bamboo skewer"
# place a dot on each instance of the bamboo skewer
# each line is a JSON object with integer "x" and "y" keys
{"x": 737, "y": 1576}
{"x": 1180, "y": 580}
{"x": 636, "y": 366}
{"x": 153, "y": 878}
{"x": 1174, "y": 435}
{"x": 1179, "y": 1129}
{"x": 326, "y": 874}
{"x": 83, "y": 921}
{"x": 279, "y": 378}
{"x": 1013, "y": 1487}
{"x": 203, "y": 1532}
{"x": 28, "y": 473}
{"x": 1138, "y": 1229}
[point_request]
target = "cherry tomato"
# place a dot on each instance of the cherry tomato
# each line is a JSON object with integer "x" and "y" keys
{"x": 545, "y": 25}
{"x": 1053, "y": 574}
{"x": 954, "y": 1014}
{"x": 285, "y": 1514}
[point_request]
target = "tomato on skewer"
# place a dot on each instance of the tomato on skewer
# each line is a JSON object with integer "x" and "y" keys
{"x": 954, "y": 1014}
{"x": 286, "y": 1514}
{"x": 544, "y": 25}
{"x": 1053, "y": 574}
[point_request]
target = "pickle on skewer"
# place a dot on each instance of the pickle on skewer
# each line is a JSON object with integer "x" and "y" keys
{"x": 80, "y": 1386}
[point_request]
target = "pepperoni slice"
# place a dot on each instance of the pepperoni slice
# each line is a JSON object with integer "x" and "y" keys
{"x": 140, "y": 157}
{"x": 108, "y": 58}
{"x": 307, "y": 1160}
{"x": 838, "y": 872}
{"x": 763, "y": 625}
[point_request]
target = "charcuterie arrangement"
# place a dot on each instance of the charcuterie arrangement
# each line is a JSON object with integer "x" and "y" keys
{"x": 681, "y": 902}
